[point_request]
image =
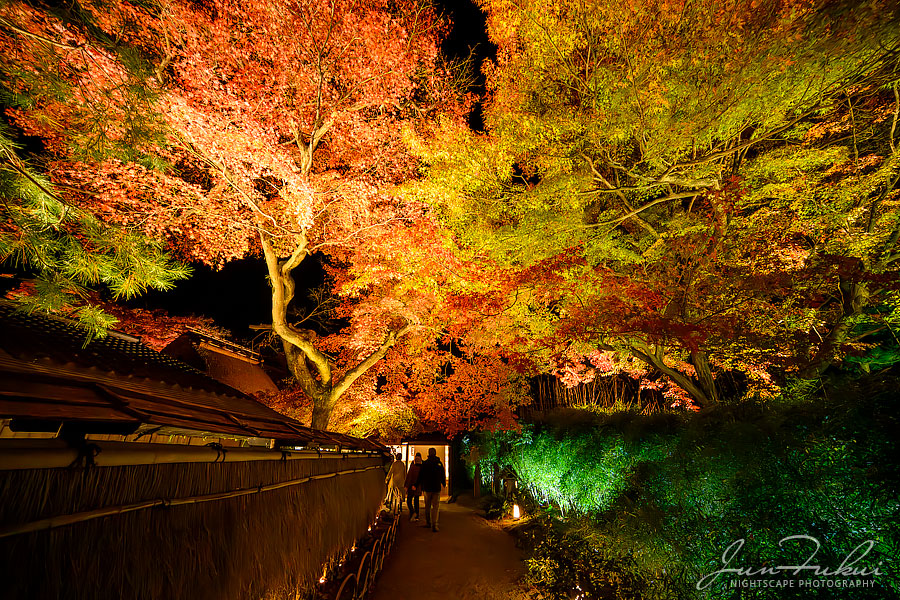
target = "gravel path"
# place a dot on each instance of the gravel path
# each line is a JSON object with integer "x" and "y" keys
{"x": 468, "y": 559}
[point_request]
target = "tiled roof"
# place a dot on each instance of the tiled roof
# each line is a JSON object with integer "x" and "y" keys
{"x": 36, "y": 336}
{"x": 47, "y": 373}
{"x": 229, "y": 364}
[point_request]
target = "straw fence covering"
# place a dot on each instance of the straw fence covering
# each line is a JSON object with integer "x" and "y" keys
{"x": 268, "y": 545}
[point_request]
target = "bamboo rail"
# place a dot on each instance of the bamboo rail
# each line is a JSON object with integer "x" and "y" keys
{"x": 79, "y": 517}
{"x": 49, "y": 454}
{"x": 340, "y": 593}
{"x": 363, "y": 578}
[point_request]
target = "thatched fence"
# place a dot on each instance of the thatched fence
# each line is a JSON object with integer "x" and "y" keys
{"x": 257, "y": 529}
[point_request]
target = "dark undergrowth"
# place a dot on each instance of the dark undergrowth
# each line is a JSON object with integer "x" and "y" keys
{"x": 632, "y": 506}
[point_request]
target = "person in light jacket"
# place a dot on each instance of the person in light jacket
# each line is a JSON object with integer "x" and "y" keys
{"x": 433, "y": 480}
{"x": 394, "y": 481}
{"x": 413, "y": 489}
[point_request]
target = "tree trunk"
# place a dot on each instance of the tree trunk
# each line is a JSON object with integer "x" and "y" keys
{"x": 310, "y": 366}
{"x": 856, "y": 297}
{"x": 655, "y": 360}
{"x": 704, "y": 374}
{"x": 322, "y": 409}
{"x": 308, "y": 148}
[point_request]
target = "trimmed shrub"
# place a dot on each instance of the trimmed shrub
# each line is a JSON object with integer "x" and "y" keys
{"x": 645, "y": 507}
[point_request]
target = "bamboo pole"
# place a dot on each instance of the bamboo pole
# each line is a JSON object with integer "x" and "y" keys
{"x": 107, "y": 511}
{"x": 49, "y": 454}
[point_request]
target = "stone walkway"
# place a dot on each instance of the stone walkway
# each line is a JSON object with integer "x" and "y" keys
{"x": 468, "y": 559}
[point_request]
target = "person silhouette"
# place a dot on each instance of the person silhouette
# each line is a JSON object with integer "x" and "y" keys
{"x": 413, "y": 488}
{"x": 394, "y": 481}
{"x": 433, "y": 480}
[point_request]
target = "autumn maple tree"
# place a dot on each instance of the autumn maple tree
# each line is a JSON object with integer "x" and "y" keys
{"x": 228, "y": 128}
{"x": 677, "y": 187}
{"x": 699, "y": 187}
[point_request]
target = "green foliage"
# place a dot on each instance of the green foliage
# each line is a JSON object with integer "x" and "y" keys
{"x": 115, "y": 120}
{"x": 387, "y": 423}
{"x": 668, "y": 78}
{"x": 877, "y": 358}
{"x": 89, "y": 97}
{"x": 660, "y": 499}
{"x": 564, "y": 560}
{"x": 575, "y": 466}
{"x": 70, "y": 251}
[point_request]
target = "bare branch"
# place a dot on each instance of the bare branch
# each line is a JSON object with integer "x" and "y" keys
{"x": 223, "y": 171}
{"x": 650, "y": 204}
{"x": 353, "y": 235}
{"x": 894, "y": 121}
{"x": 873, "y": 208}
{"x": 622, "y": 197}
{"x": 353, "y": 374}
{"x": 662, "y": 180}
{"x": 723, "y": 153}
{"x": 34, "y": 36}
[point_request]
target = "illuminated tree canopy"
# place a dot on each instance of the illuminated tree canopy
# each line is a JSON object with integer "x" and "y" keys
{"x": 699, "y": 187}
{"x": 683, "y": 189}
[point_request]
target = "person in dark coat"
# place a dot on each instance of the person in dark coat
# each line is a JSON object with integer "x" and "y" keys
{"x": 433, "y": 480}
{"x": 413, "y": 489}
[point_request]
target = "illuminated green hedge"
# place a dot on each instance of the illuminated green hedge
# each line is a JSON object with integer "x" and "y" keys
{"x": 658, "y": 500}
